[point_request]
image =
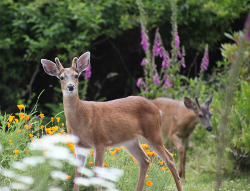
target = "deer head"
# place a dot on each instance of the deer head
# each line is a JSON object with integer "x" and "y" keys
{"x": 202, "y": 111}
{"x": 68, "y": 76}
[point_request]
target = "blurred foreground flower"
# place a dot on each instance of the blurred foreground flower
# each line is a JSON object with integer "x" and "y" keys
{"x": 55, "y": 155}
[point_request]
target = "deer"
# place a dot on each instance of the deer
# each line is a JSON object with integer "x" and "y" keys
{"x": 118, "y": 122}
{"x": 179, "y": 120}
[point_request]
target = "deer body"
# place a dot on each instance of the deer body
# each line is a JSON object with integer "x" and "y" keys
{"x": 179, "y": 120}
{"x": 114, "y": 120}
{"x": 118, "y": 122}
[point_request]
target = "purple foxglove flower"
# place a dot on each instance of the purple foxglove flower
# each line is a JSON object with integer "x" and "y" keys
{"x": 155, "y": 79}
{"x": 157, "y": 49}
{"x": 144, "y": 62}
{"x": 144, "y": 37}
{"x": 183, "y": 62}
{"x": 177, "y": 42}
{"x": 247, "y": 26}
{"x": 146, "y": 90}
{"x": 140, "y": 82}
{"x": 88, "y": 72}
{"x": 183, "y": 58}
{"x": 165, "y": 62}
{"x": 205, "y": 59}
{"x": 167, "y": 81}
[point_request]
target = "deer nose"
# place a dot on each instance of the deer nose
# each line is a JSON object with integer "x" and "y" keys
{"x": 209, "y": 128}
{"x": 71, "y": 87}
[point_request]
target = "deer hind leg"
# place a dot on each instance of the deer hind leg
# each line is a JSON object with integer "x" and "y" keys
{"x": 165, "y": 155}
{"x": 182, "y": 154}
{"x": 137, "y": 152}
{"x": 82, "y": 160}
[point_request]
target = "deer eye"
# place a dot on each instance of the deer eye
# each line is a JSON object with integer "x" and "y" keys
{"x": 200, "y": 116}
{"x": 76, "y": 76}
{"x": 61, "y": 78}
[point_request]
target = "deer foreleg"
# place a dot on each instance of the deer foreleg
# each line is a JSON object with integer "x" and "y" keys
{"x": 99, "y": 158}
{"x": 82, "y": 160}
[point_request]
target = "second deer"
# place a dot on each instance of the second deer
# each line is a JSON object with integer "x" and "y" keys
{"x": 179, "y": 120}
{"x": 118, "y": 122}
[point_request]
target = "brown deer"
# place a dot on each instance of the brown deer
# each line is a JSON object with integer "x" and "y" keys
{"x": 118, "y": 122}
{"x": 179, "y": 120}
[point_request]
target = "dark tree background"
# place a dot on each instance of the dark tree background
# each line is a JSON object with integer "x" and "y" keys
{"x": 110, "y": 30}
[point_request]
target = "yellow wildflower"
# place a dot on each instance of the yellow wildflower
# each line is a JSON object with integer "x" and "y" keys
{"x": 31, "y": 135}
{"x": 42, "y": 126}
{"x": 62, "y": 124}
{"x": 149, "y": 183}
{"x": 11, "y": 118}
{"x": 52, "y": 118}
{"x": 16, "y": 120}
{"x": 10, "y": 141}
{"x": 16, "y": 151}
{"x": 112, "y": 152}
{"x": 58, "y": 119}
{"x": 20, "y": 107}
{"x": 27, "y": 117}
{"x": 55, "y": 128}
{"x": 41, "y": 115}
{"x": 19, "y": 131}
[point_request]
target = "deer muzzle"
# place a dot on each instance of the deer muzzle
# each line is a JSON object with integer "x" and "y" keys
{"x": 209, "y": 128}
{"x": 71, "y": 87}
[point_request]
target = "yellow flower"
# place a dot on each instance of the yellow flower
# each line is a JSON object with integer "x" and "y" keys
{"x": 150, "y": 164}
{"x": 27, "y": 117}
{"x": 51, "y": 132}
{"x": 144, "y": 146}
{"x": 149, "y": 183}
{"x": 68, "y": 177}
{"x": 62, "y": 124}
{"x": 112, "y": 152}
{"x": 10, "y": 141}
{"x": 161, "y": 162}
{"x": 104, "y": 164}
{"x": 42, "y": 126}
{"x": 11, "y": 118}
{"x": 90, "y": 163}
{"x": 8, "y": 124}
{"x": 169, "y": 171}
{"x": 92, "y": 154}
{"x": 19, "y": 131}
{"x": 163, "y": 168}
{"x": 52, "y": 118}
{"x": 55, "y": 128}
{"x": 146, "y": 176}
{"x": 58, "y": 119}
{"x": 172, "y": 154}
{"x": 16, "y": 120}
{"x": 41, "y": 115}
{"x": 21, "y": 116}
{"x": 117, "y": 149}
{"x": 31, "y": 135}
{"x": 47, "y": 130}
{"x": 20, "y": 107}
{"x": 16, "y": 151}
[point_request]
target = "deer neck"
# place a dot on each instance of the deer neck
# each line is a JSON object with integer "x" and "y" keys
{"x": 71, "y": 104}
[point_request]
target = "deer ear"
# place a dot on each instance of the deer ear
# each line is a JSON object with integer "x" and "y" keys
{"x": 189, "y": 103}
{"x": 83, "y": 62}
{"x": 209, "y": 101}
{"x": 50, "y": 67}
